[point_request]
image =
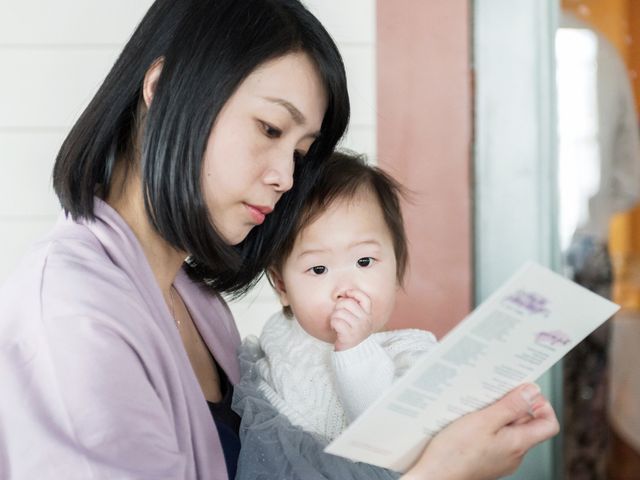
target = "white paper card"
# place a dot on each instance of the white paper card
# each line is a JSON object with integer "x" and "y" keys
{"x": 513, "y": 337}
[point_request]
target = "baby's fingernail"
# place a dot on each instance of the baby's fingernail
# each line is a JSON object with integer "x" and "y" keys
{"x": 530, "y": 392}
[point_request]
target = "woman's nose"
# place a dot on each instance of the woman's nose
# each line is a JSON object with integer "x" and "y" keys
{"x": 279, "y": 173}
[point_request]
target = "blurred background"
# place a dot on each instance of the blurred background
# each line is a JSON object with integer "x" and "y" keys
{"x": 513, "y": 122}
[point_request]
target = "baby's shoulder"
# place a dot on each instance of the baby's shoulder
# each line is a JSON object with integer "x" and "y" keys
{"x": 276, "y": 326}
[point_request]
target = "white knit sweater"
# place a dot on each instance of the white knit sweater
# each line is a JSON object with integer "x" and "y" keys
{"x": 321, "y": 390}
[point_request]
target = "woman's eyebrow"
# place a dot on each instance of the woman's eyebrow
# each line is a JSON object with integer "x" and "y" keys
{"x": 296, "y": 114}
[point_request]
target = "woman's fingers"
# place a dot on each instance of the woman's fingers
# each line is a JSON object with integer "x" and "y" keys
{"x": 514, "y": 406}
{"x": 542, "y": 425}
{"x": 491, "y": 442}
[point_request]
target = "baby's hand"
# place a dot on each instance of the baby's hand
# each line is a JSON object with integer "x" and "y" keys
{"x": 351, "y": 320}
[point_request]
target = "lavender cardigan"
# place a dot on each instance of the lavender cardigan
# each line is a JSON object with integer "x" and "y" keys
{"x": 94, "y": 380}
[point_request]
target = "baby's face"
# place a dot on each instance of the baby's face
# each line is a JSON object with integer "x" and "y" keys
{"x": 348, "y": 247}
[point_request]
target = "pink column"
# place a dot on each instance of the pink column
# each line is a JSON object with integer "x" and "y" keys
{"x": 424, "y": 130}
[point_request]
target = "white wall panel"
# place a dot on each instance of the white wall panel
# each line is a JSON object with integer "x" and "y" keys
{"x": 99, "y": 22}
{"x": 361, "y": 139}
{"x": 49, "y": 86}
{"x": 17, "y": 236}
{"x": 350, "y": 21}
{"x": 253, "y": 310}
{"x": 359, "y": 62}
{"x": 27, "y": 159}
{"x": 85, "y": 22}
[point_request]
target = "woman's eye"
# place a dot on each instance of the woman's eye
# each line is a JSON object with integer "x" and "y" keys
{"x": 271, "y": 131}
{"x": 365, "y": 261}
{"x": 318, "y": 269}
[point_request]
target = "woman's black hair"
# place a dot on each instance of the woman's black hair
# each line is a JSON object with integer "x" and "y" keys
{"x": 208, "y": 48}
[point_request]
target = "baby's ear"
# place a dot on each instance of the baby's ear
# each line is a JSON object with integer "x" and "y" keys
{"x": 275, "y": 279}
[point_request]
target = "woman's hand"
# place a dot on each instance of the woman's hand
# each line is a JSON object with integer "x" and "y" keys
{"x": 491, "y": 442}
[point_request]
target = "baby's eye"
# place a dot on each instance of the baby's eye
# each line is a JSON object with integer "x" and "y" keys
{"x": 271, "y": 131}
{"x": 365, "y": 261}
{"x": 318, "y": 269}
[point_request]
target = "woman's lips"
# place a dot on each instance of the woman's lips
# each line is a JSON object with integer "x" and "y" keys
{"x": 258, "y": 212}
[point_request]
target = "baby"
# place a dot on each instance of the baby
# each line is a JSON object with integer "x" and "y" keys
{"x": 326, "y": 357}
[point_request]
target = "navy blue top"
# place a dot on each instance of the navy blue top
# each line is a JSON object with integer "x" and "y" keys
{"x": 228, "y": 424}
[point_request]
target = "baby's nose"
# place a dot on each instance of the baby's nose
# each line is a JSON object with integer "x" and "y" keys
{"x": 342, "y": 290}
{"x": 345, "y": 281}
{"x": 339, "y": 294}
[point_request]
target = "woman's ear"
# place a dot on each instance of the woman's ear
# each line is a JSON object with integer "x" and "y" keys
{"x": 151, "y": 80}
{"x": 275, "y": 279}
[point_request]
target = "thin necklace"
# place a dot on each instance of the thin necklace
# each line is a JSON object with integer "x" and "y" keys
{"x": 173, "y": 311}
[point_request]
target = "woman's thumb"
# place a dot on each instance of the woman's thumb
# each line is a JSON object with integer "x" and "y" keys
{"x": 514, "y": 405}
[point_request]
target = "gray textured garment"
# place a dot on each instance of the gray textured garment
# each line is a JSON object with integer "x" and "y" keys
{"x": 273, "y": 448}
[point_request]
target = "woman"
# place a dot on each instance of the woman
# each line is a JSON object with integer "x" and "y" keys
{"x": 115, "y": 351}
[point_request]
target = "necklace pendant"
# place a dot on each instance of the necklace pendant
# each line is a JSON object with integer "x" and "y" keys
{"x": 173, "y": 310}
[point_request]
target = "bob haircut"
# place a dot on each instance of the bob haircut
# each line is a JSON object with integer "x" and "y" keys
{"x": 343, "y": 177}
{"x": 208, "y": 47}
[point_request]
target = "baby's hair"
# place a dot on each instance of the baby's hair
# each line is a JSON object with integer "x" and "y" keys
{"x": 342, "y": 177}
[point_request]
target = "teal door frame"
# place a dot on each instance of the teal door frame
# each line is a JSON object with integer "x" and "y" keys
{"x": 515, "y": 164}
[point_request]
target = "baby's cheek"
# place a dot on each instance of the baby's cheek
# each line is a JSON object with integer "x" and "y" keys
{"x": 382, "y": 308}
{"x": 318, "y": 314}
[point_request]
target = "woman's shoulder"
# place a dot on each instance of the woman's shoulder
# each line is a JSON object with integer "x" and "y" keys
{"x": 67, "y": 274}
{"x": 65, "y": 252}
{"x": 76, "y": 266}
{"x": 70, "y": 248}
